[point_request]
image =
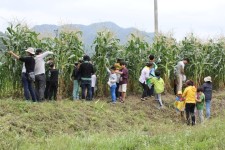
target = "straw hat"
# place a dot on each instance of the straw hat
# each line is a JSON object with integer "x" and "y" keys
{"x": 208, "y": 79}
{"x": 30, "y": 50}
{"x": 179, "y": 92}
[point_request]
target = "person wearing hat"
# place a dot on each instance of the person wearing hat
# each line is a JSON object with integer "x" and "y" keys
{"x": 207, "y": 90}
{"x": 39, "y": 71}
{"x": 28, "y": 70}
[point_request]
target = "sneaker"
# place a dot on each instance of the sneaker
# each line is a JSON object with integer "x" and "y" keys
{"x": 142, "y": 99}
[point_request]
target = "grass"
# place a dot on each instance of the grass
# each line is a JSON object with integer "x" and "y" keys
{"x": 101, "y": 125}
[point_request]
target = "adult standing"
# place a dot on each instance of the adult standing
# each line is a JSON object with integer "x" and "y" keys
{"x": 180, "y": 74}
{"x": 86, "y": 69}
{"x": 207, "y": 90}
{"x": 27, "y": 72}
{"x": 39, "y": 72}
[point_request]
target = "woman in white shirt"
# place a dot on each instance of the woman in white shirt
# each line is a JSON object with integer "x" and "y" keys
{"x": 143, "y": 79}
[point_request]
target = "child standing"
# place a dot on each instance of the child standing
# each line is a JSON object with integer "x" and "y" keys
{"x": 93, "y": 83}
{"x": 143, "y": 80}
{"x": 53, "y": 81}
{"x": 158, "y": 83}
{"x": 76, "y": 79}
{"x": 123, "y": 81}
{"x": 180, "y": 104}
{"x": 112, "y": 83}
{"x": 200, "y": 103}
{"x": 190, "y": 100}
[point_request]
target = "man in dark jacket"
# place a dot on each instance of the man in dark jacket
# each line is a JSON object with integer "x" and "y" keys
{"x": 86, "y": 69}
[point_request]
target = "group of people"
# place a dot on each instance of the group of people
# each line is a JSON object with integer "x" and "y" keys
{"x": 84, "y": 76}
{"x": 193, "y": 99}
{"x": 46, "y": 82}
{"x": 33, "y": 71}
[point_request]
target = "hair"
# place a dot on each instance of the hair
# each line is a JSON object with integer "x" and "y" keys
{"x": 190, "y": 83}
{"x": 157, "y": 73}
{"x": 86, "y": 58}
{"x": 51, "y": 65}
{"x": 151, "y": 57}
{"x": 81, "y": 61}
{"x": 113, "y": 68}
{"x": 119, "y": 60}
{"x": 38, "y": 51}
{"x": 149, "y": 64}
{"x": 187, "y": 59}
{"x": 123, "y": 63}
{"x": 199, "y": 89}
{"x": 76, "y": 63}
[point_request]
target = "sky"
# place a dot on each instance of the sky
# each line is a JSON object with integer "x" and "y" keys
{"x": 205, "y": 18}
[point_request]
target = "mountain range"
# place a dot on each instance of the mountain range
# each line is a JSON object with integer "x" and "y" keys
{"x": 89, "y": 32}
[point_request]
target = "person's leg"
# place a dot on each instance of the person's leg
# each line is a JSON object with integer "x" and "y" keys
{"x": 32, "y": 91}
{"x": 187, "y": 109}
{"x": 208, "y": 106}
{"x": 117, "y": 90}
{"x": 123, "y": 89}
{"x": 151, "y": 91}
{"x": 50, "y": 91}
{"x": 144, "y": 94}
{"x": 37, "y": 87}
{"x": 25, "y": 86}
{"x": 175, "y": 86}
{"x": 113, "y": 92}
{"x": 89, "y": 91}
{"x": 83, "y": 89}
{"x": 93, "y": 91}
{"x": 41, "y": 86}
{"x": 160, "y": 100}
{"x": 75, "y": 90}
{"x": 192, "y": 112}
{"x": 47, "y": 89}
{"x": 55, "y": 90}
{"x": 179, "y": 82}
{"x": 200, "y": 115}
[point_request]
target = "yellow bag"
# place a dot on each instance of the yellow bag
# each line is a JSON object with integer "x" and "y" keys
{"x": 180, "y": 105}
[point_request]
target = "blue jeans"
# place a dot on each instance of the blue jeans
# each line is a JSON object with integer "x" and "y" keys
{"x": 208, "y": 106}
{"x": 75, "y": 90}
{"x": 86, "y": 85}
{"x": 113, "y": 92}
{"x": 28, "y": 88}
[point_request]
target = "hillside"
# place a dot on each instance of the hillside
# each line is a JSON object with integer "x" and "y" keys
{"x": 90, "y": 32}
{"x": 101, "y": 125}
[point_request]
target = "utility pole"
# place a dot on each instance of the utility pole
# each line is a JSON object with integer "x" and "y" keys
{"x": 156, "y": 16}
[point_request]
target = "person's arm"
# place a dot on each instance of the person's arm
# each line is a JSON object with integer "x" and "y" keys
{"x": 182, "y": 70}
{"x": 107, "y": 69}
{"x": 14, "y": 55}
{"x": 114, "y": 79}
{"x": 185, "y": 93}
{"x": 118, "y": 72}
{"x": 43, "y": 55}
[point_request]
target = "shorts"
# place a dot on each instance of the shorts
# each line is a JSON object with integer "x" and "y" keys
{"x": 123, "y": 88}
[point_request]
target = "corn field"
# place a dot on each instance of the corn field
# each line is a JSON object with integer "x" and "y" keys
{"x": 207, "y": 58}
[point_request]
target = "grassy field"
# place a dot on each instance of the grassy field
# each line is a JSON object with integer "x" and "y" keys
{"x": 100, "y": 125}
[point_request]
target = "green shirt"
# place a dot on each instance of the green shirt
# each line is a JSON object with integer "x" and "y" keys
{"x": 200, "y": 105}
{"x": 158, "y": 84}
